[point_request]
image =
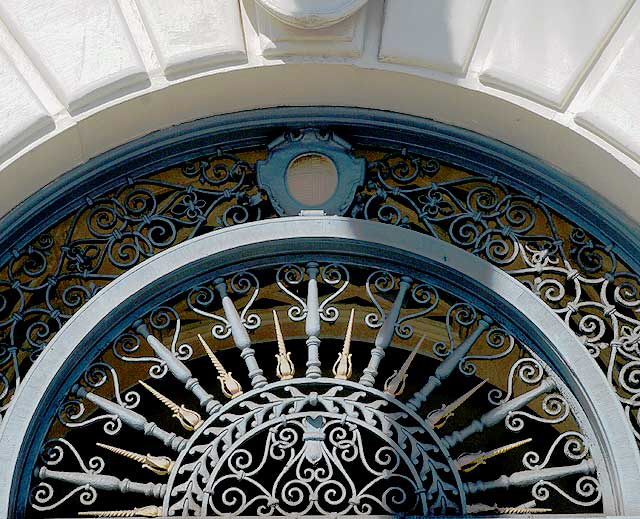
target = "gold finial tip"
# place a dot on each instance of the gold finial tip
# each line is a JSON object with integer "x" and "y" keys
{"x": 149, "y": 388}
{"x": 519, "y": 443}
{"x": 145, "y": 511}
{"x": 206, "y": 346}
{"x": 477, "y": 386}
{"x": 350, "y": 324}
{"x": 279, "y": 336}
{"x": 284, "y": 368}
{"x": 342, "y": 369}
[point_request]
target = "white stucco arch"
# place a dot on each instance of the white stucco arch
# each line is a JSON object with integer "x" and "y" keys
{"x": 78, "y": 82}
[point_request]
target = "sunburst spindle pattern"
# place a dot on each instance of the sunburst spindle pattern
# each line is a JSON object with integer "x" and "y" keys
{"x": 395, "y": 425}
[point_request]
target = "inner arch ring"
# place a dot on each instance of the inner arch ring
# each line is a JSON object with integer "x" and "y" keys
{"x": 457, "y": 270}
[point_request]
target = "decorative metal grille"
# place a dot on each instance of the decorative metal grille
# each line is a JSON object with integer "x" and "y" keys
{"x": 584, "y": 281}
{"x": 387, "y": 395}
{"x": 46, "y": 283}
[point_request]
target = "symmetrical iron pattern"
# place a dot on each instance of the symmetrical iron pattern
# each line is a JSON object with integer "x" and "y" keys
{"x": 263, "y": 392}
{"x": 584, "y": 281}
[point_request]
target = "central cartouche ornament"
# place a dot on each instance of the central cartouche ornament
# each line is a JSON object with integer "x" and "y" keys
{"x": 310, "y": 171}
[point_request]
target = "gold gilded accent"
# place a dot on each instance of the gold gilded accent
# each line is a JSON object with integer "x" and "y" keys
{"x": 145, "y": 511}
{"x": 468, "y": 462}
{"x": 438, "y": 417}
{"x": 230, "y": 386}
{"x": 161, "y": 465}
{"x": 526, "y": 508}
{"x": 189, "y": 419}
{"x": 518, "y": 511}
{"x": 284, "y": 369}
{"x": 394, "y": 385}
{"x": 342, "y": 367}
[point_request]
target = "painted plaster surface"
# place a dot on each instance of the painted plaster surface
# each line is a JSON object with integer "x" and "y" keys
{"x": 310, "y": 14}
{"x": 191, "y": 36}
{"x": 83, "y": 48}
{"x": 541, "y": 50}
{"x": 23, "y": 116}
{"x": 278, "y": 39}
{"x": 439, "y": 34}
{"x": 612, "y": 111}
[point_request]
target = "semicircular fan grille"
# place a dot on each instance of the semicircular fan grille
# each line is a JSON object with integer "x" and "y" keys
{"x": 316, "y": 388}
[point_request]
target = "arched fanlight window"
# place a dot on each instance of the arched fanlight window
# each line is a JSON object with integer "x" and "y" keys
{"x": 397, "y": 378}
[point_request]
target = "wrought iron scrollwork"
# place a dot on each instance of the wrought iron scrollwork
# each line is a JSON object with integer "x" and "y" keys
{"x": 43, "y": 285}
{"x": 586, "y": 282}
{"x": 441, "y": 432}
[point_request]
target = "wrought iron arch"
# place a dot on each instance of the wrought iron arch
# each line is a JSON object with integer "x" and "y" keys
{"x": 493, "y": 292}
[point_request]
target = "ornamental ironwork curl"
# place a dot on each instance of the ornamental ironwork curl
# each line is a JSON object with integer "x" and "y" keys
{"x": 425, "y": 436}
{"x": 584, "y": 281}
{"x": 318, "y": 440}
{"x": 43, "y": 285}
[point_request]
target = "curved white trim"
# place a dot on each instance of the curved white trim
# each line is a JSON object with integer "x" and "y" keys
{"x": 588, "y": 383}
{"x": 530, "y": 128}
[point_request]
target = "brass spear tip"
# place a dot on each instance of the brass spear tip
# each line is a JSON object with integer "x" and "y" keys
{"x": 416, "y": 348}
{"x": 517, "y": 444}
{"x": 207, "y": 348}
{"x": 145, "y": 511}
{"x": 111, "y": 448}
{"x": 349, "y": 332}
{"x": 152, "y": 390}
{"x": 477, "y": 386}
{"x": 279, "y": 336}
{"x": 202, "y": 341}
